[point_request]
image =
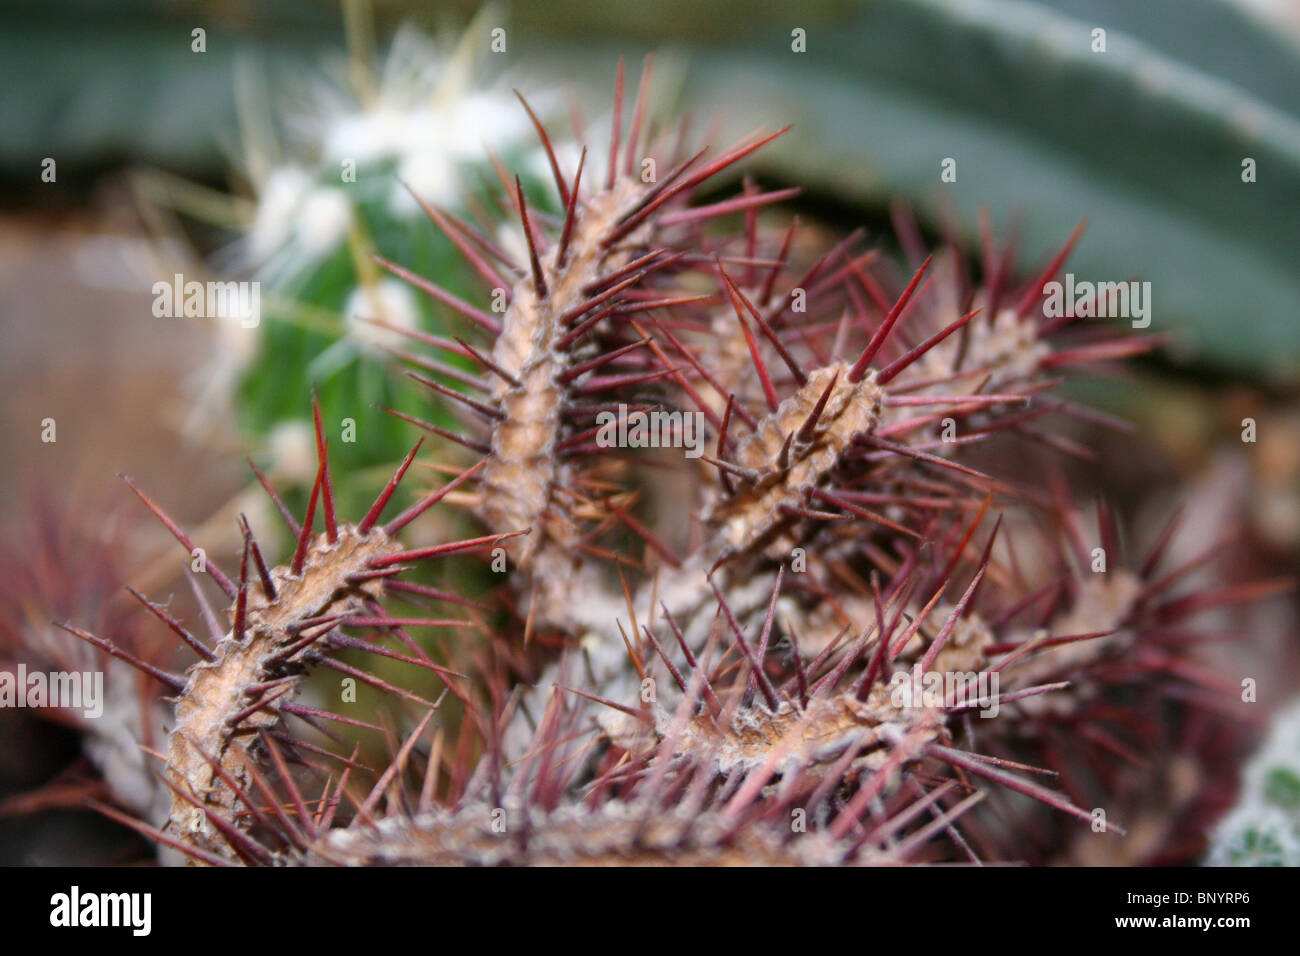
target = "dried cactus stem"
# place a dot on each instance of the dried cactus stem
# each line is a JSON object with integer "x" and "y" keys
{"x": 792, "y": 450}
{"x": 239, "y": 692}
{"x": 524, "y": 469}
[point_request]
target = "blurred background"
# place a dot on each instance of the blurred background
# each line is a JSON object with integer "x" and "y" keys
{"x": 144, "y": 138}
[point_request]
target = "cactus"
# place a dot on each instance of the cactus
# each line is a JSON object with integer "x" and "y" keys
{"x": 818, "y": 652}
{"x": 1263, "y": 827}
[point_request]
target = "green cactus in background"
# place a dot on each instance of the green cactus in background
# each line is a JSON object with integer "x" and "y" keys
{"x": 1263, "y": 829}
{"x": 345, "y": 184}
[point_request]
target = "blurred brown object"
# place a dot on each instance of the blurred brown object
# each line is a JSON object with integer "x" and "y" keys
{"x": 79, "y": 344}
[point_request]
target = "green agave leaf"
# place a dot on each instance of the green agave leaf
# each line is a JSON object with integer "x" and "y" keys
{"x": 1146, "y": 141}
{"x": 1221, "y": 39}
{"x": 97, "y": 83}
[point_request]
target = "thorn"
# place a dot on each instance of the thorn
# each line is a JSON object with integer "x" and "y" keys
{"x": 652, "y": 261}
{"x": 398, "y": 763}
{"x": 300, "y": 553}
{"x": 1036, "y": 287}
{"x": 615, "y": 127}
{"x": 481, "y": 241}
{"x": 880, "y": 659}
{"x": 749, "y": 475}
{"x": 871, "y": 516}
{"x": 322, "y": 455}
{"x": 1162, "y": 543}
{"x": 764, "y": 378}
{"x": 475, "y": 315}
{"x": 770, "y": 618}
{"x": 483, "y": 408}
{"x": 287, "y": 830}
{"x": 301, "y": 710}
{"x": 413, "y": 512}
{"x": 268, "y": 584}
{"x": 382, "y": 501}
{"x": 582, "y": 368}
{"x": 360, "y": 577}
{"x": 240, "y": 792}
{"x": 488, "y": 364}
{"x": 890, "y": 371}
{"x": 807, "y": 431}
{"x": 241, "y": 603}
{"x": 631, "y": 712}
{"x": 215, "y": 572}
{"x": 550, "y": 151}
{"x": 783, "y": 457}
{"x": 924, "y": 456}
{"x": 234, "y": 720}
{"x": 436, "y": 594}
{"x": 1036, "y": 644}
{"x": 1100, "y": 351}
{"x": 600, "y": 383}
{"x": 326, "y": 624}
{"x": 664, "y": 195}
{"x": 294, "y": 793}
{"x": 734, "y": 292}
{"x": 343, "y": 640}
{"x": 470, "y": 443}
{"x": 154, "y": 833}
{"x": 672, "y": 668}
{"x": 1241, "y": 594}
{"x": 539, "y": 281}
{"x": 942, "y": 637}
{"x": 634, "y": 134}
{"x": 454, "y": 547}
{"x": 706, "y": 687}
{"x": 1026, "y": 787}
{"x": 887, "y": 325}
{"x": 371, "y": 679}
{"x": 216, "y": 631}
{"x": 648, "y": 536}
{"x": 810, "y": 514}
{"x": 570, "y": 213}
{"x": 198, "y": 646}
{"x": 275, "y": 499}
{"x": 728, "y": 206}
{"x": 805, "y": 282}
{"x": 700, "y": 370}
{"x": 596, "y": 300}
{"x": 174, "y": 681}
{"x": 442, "y": 368}
{"x": 765, "y": 296}
{"x": 722, "y": 444}
{"x": 383, "y": 622}
{"x": 764, "y": 685}
{"x": 585, "y": 326}
{"x": 490, "y": 275}
{"x": 970, "y": 533}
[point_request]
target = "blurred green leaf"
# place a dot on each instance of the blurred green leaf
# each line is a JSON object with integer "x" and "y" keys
{"x": 94, "y": 83}
{"x": 1146, "y": 140}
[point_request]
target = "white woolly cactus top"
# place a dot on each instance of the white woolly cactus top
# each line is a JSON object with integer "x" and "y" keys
{"x": 1263, "y": 829}
{"x": 420, "y": 125}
